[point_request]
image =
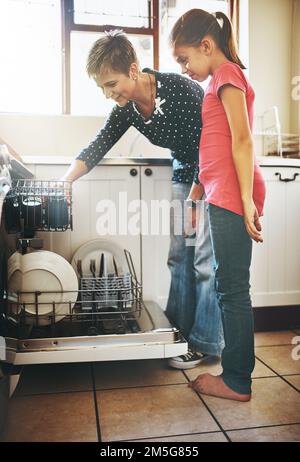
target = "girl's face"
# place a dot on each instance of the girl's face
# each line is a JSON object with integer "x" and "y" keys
{"x": 116, "y": 86}
{"x": 194, "y": 61}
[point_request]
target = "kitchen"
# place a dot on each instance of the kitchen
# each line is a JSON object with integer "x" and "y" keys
{"x": 51, "y": 131}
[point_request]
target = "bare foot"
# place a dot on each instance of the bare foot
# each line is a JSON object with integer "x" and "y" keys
{"x": 214, "y": 385}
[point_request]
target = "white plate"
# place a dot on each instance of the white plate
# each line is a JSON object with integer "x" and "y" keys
{"x": 92, "y": 250}
{"x": 44, "y": 271}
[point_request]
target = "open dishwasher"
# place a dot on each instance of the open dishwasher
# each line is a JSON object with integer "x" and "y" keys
{"x": 102, "y": 317}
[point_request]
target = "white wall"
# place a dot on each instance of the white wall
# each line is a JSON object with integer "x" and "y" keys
{"x": 270, "y": 60}
{"x": 270, "y": 25}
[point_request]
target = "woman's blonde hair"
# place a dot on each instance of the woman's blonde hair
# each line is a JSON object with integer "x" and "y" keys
{"x": 192, "y": 26}
{"x": 113, "y": 51}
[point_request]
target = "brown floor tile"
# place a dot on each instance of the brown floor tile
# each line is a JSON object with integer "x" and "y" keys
{"x": 294, "y": 380}
{"x": 216, "y": 437}
{"x": 124, "y": 374}
{"x": 54, "y": 378}
{"x": 151, "y": 412}
{"x": 273, "y": 402}
{"x": 52, "y": 418}
{"x": 279, "y": 358}
{"x": 215, "y": 368}
{"x": 274, "y": 338}
{"x": 282, "y": 433}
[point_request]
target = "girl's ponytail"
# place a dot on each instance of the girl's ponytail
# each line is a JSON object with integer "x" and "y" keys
{"x": 192, "y": 26}
{"x": 227, "y": 40}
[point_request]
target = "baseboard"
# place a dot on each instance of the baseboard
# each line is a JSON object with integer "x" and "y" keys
{"x": 276, "y": 318}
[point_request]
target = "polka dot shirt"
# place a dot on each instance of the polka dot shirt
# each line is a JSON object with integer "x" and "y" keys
{"x": 175, "y": 124}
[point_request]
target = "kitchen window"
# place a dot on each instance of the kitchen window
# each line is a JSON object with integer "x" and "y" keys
{"x": 47, "y": 42}
{"x": 30, "y": 56}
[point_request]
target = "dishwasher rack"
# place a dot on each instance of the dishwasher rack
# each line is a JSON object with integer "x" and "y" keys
{"x": 38, "y": 205}
{"x": 102, "y": 305}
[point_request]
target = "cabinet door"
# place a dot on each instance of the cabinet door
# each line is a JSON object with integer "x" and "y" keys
{"x": 156, "y": 193}
{"x": 102, "y": 208}
{"x": 275, "y": 270}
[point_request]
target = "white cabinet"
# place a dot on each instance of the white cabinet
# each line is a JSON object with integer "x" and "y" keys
{"x": 138, "y": 196}
{"x": 156, "y": 192}
{"x": 101, "y": 209}
{"x": 275, "y": 270}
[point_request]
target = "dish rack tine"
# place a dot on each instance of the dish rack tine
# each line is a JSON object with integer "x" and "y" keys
{"x": 130, "y": 264}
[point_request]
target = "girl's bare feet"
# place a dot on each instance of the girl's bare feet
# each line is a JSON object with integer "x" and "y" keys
{"x": 214, "y": 385}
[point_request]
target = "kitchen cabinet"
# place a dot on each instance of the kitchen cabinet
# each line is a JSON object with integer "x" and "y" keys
{"x": 156, "y": 192}
{"x": 275, "y": 270}
{"x": 99, "y": 198}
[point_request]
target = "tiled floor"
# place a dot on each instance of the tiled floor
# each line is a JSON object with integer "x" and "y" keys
{"x": 147, "y": 401}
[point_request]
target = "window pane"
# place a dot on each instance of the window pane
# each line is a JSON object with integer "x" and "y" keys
{"x": 86, "y": 97}
{"x": 30, "y": 56}
{"x": 171, "y": 10}
{"x": 133, "y": 13}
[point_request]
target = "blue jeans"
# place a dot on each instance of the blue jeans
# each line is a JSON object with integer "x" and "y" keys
{"x": 232, "y": 248}
{"x": 192, "y": 304}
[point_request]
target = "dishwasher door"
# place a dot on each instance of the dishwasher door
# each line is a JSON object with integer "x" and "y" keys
{"x": 150, "y": 336}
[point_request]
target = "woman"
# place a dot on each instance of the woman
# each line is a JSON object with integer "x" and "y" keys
{"x": 164, "y": 107}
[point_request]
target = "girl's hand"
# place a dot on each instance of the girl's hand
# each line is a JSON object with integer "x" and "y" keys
{"x": 251, "y": 220}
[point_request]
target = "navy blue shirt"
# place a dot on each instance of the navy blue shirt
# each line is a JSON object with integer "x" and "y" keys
{"x": 174, "y": 124}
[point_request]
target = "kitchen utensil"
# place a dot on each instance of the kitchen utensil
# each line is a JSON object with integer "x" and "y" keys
{"x": 93, "y": 267}
{"x": 101, "y": 266}
{"x": 79, "y": 268}
{"x": 91, "y": 249}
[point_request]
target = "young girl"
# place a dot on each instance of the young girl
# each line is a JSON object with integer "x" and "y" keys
{"x": 203, "y": 44}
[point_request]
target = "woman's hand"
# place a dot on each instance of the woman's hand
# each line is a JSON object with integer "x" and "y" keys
{"x": 251, "y": 220}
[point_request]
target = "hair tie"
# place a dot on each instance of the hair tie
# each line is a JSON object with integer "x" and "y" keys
{"x": 220, "y": 21}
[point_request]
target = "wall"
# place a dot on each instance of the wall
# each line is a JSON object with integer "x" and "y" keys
{"x": 270, "y": 56}
{"x": 270, "y": 40}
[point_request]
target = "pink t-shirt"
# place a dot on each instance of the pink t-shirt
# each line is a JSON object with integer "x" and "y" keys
{"x": 217, "y": 170}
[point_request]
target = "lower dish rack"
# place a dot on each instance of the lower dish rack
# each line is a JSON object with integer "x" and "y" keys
{"x": 102, "y": 305}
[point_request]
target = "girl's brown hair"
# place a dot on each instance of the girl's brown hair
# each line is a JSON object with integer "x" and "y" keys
{"x": 113, "y": 51}
{"x": 192, "y": 26}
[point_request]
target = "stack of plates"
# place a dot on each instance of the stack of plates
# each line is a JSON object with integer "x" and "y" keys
{"x": 45, "y": 272}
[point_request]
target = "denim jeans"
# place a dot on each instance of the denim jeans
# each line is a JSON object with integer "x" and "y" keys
{"x": 232, "y": 248}
{"x": 192, "y": 304}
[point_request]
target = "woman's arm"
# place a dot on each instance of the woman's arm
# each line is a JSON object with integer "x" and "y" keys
{"x": 77, "y": 169}
{"x": 234, "y": 102}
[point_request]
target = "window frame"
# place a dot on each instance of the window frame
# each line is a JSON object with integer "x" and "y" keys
{"x": 68, "y": 26}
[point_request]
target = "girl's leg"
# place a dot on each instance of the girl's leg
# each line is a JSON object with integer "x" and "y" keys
{"x": 232, "y": 249}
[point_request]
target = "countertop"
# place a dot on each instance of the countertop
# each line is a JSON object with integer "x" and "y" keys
{"x": 275, "y": 161}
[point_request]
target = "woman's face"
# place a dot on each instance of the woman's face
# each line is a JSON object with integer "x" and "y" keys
{"x": 116, "y": 86}
{"x": 193, "y": 61}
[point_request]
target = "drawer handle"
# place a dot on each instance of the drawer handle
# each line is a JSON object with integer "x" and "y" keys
{"x": 286, "y": 180}
{"x": 133, "y": 172}
{"x": 148, "y": 172}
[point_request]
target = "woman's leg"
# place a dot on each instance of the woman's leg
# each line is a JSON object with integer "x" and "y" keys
{"x": 232, "y": 249}
{"x": 181, "y": 302}
{"x": 206, "y": 334}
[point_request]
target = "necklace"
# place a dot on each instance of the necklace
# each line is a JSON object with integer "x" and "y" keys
{"x": 152, "y": 94}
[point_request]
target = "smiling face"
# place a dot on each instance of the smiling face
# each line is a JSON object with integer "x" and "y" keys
{"x": 116, "y": 86}
{"x": 194, "y": 61}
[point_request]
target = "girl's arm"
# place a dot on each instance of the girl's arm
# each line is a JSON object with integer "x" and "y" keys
{"x": 234, "y": 102}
